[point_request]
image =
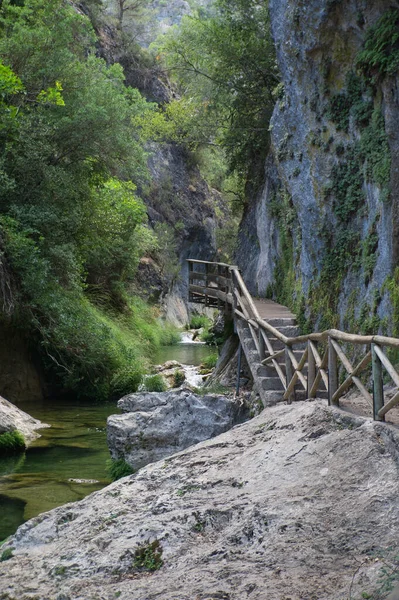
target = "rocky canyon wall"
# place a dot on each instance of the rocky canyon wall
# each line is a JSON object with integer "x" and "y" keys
{"x": 322, "y": 235}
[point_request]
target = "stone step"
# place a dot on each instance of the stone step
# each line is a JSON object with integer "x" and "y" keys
{"x": 252, "y": 356}
{"x": 271, "y": 383}
{"x": 249, "y": 342}
{"x": 281, "y": 322}
{"x": 289, "y": 331}
{"x": 270, "y": 371}
{"x": 279, "y": 345}
{"x": 265, "y": 371}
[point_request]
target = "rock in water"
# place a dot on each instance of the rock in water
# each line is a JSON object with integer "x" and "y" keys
{"x": 156, "y": 425}
{"x": 14, "y": 419}
{"x": 296, "y": 503}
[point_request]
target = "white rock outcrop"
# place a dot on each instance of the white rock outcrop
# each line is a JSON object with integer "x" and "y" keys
{"x": 297, "y": 503}
{"x": 155, "y": 425}
{"x": 12, "y": 418}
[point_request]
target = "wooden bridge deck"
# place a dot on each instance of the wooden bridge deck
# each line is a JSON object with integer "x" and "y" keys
{"x": 269, "y": 310}
{"x": 311, "y": 364}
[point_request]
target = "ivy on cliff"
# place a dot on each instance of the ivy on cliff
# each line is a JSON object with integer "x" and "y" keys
{"x": 366, "y": 160}
{"x": 380, "y": 56}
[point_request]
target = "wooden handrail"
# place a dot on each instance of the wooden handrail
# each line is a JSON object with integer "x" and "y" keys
{"x": 322, "y": 369}
{"x": 246, "y": 293}
{"x": 206, "y": 262}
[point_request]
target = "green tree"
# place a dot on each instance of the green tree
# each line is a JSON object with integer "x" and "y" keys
{"x": 69, "y": 217}
{"x": 114, "y": 236}
{"x": 224, "y": 61}
{"x": 133, "y": 8}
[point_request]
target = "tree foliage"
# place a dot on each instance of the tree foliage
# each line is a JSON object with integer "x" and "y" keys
{"x": 69, "y": 216}
{"x": 224, "y": 62}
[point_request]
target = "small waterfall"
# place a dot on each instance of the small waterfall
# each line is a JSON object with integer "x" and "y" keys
{"x": 192, "y": 375}
{"x": 187, "y": 338}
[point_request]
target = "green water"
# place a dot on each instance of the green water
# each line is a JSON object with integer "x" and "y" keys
{"x": 188, "y": 354}
{"x": 74, "y": 447}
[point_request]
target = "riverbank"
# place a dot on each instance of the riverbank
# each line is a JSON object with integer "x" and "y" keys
{"x": 74, "y": 447}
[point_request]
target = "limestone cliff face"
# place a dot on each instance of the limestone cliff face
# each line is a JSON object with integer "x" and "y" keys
{"x": 326, "y": 223}
{"x": 182, "y": 208}
{"x": 186, "y": 214}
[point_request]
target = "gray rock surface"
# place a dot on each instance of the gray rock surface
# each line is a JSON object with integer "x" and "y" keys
{"x": 292, "y": 504}
{"x": 12, "y": 418}
{"x": 317, "y": 44}
{"x": 155, "y": 425}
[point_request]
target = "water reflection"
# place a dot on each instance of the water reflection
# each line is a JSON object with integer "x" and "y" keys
{"x": 12, "y": 514}
{"x": 74, "y": 447}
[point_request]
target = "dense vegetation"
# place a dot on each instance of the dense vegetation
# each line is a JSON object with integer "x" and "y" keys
{"x": 71, "y": 226}
{"x": 223, "y": 60}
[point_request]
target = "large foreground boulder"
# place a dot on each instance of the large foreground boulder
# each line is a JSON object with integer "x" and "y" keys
{"x": 14, "y": 419}
{"x": 155, "y": 425}
{"x": 299, "y": 503}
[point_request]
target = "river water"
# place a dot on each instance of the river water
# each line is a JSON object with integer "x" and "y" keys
{"x": 73, "y": 448}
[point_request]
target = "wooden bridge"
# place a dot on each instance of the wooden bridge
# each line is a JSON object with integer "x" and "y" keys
{"x": 288, "y": 366}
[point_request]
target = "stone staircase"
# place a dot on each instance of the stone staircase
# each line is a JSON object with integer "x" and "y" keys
{"x": 266, "y": 380}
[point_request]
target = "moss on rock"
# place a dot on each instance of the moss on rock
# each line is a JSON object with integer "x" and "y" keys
{"x": 11, "y": 442}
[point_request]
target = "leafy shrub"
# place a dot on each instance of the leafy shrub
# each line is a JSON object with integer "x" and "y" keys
{"x": 148, "y": 557}
{"x": 118, "y": 469}
{"x": 210, "y": 361}
{"x": 199, "y": 321}
{"x": 72, "y": 227}
{"x": 90, "y": 350}
{"x": 178, "y": 378}
{"x": 155, "y": 383}
{"x": 169, "y": 336}
{"x": 126, "y": 381}
{"x": 381, "y": 49}
{"x": 11, "y": 442}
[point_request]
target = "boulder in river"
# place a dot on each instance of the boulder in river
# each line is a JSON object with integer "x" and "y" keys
{"x": 155, "y": 425}
{"x": 14, "y": 419}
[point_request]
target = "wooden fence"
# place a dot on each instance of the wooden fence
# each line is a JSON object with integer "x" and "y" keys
{"x": 315, "y": 362}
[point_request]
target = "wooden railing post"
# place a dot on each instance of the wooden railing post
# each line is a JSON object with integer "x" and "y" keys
{"x": 190, "y": 270}
{"x": 289, "y": 373}
{"x": 232, "y": 283}
{"x": 378, "y": 384}
{"x": 332, "y": 373}
{"x": 206, "y": 283}
{"x": 262, "y": 345}
{"x": 238, "y": 368}
{"x": 311, "y": 370}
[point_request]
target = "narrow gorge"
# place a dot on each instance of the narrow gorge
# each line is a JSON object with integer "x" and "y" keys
{"x": 202, "y": 188}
